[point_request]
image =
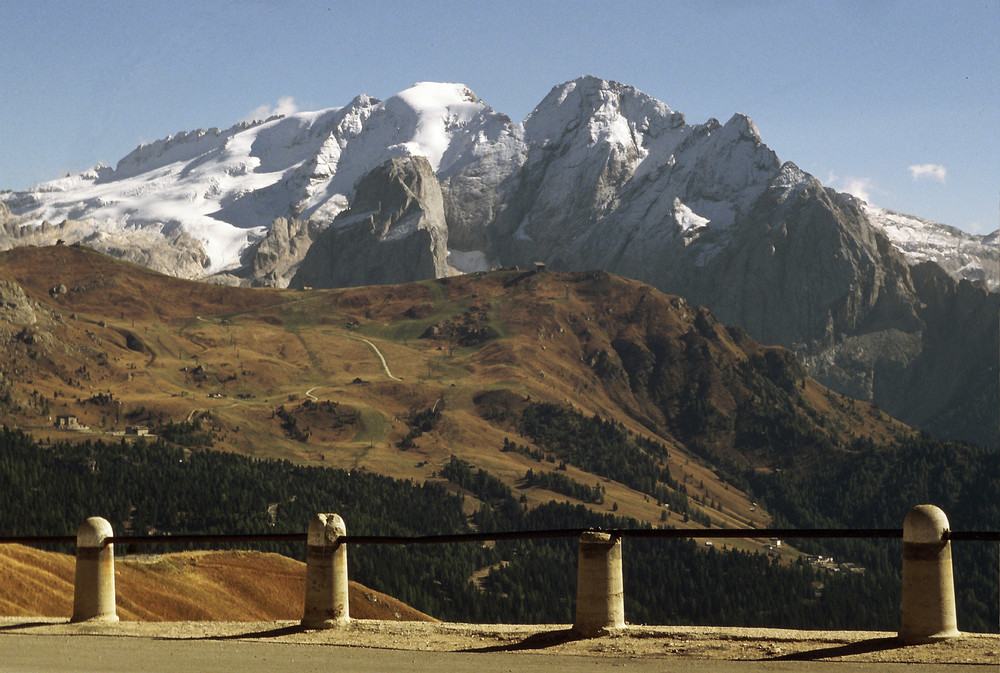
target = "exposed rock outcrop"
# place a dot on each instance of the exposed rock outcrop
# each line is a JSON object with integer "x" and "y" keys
{"x": 273, "y": 261}
{"x": 164, "y": 248}
{"x": 15, "y": 307}
{"x": 394, "y": 232}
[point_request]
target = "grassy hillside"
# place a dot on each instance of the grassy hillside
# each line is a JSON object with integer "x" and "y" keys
{"x": 185, "y": 586}
{"x": 541, "y": 399}
{"x": 298, "y": 375}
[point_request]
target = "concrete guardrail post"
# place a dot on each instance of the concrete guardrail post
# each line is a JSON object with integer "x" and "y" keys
{"x": 326, "y": 574}
{"x": 600, "y": 592}
{"x": 928, "y": 603}
{"x": 94, "y": 586}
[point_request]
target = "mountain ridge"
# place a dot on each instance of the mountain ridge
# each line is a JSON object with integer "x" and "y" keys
{"x": 598, "y": 176}
{"x": 301, "y": 155}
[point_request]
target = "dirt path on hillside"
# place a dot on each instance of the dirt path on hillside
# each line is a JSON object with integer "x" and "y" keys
{"x": 380, "y": 356}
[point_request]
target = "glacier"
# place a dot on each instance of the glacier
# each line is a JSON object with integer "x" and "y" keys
{"x": 597, "y": 171}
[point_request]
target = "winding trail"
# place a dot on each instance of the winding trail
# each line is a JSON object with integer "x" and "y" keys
{"x": 190, "y": 416}
{"x": 379, "y": 354}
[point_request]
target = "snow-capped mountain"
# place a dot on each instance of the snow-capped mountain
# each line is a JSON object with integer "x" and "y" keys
{"x": 961, "y": 254}
{"x": 225, "y": 188}
{"x": 592, "y": 151}
{"x": 432, "y": 182}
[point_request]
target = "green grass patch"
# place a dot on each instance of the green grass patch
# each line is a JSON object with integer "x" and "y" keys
{"x": 307, "y": 313}
{"x": 436, "y": 290}
{"x": 445, "y": 367}
{"x": 513, "y": 385}
{"x": 404, "y": 331}
{"x": 498, "y": 324}
{"x": 296, "y": 318}
{"x": 374, "y": 426}
{"x": 399, "y": 332}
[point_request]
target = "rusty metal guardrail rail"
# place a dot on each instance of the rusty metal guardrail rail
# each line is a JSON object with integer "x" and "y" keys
{"x": 927, "y": 607}
{"x": 637, "y": 533}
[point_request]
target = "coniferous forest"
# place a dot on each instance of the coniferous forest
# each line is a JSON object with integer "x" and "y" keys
{"x": 156, "y": 487}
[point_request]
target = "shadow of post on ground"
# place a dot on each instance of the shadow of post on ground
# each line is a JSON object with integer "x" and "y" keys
{"x": 860, "y": 647}
{"x": 269, "y": 633}
{"x": 538, "y": 641}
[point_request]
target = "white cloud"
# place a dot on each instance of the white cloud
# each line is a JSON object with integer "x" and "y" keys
{"x": 976, "y": 227}
{"x": 932, "y": 171}
{"x": 285, "y": 106}
{"x": 859, "y": 187}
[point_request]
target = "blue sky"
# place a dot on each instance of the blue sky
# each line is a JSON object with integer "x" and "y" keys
{"x": 898, "y": 102}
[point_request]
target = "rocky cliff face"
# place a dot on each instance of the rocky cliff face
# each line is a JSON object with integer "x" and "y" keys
{"x": 274, "y": 260}
{"x": 15, "y": 307}
{"x": 950, "y": 388}
{"x": 805, "y": 271}
{"x": 166, "y": 249}
{"x": 614, "y": 180}
{"x": 394, "y": 232}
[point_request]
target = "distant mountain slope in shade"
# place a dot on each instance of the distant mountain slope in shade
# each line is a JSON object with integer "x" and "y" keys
{"x": 187, "y": 586}
{"x": 598, "y": 176}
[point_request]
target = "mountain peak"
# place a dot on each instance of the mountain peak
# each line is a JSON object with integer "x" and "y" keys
{"x": 182, "y": 146}
{"x": 790, "y": 177}
{"x": 603, "y": 108}
{"x": 433, "y": 95}
{"x": 742, "y": 126}
{"x": 593, "y": 93}
{"x": 424, "y": 119}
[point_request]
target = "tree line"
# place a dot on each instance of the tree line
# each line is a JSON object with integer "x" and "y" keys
{"x": 147, "y": 487}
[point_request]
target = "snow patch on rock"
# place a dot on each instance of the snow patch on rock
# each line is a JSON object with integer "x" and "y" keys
{"x": 961, "y": 254}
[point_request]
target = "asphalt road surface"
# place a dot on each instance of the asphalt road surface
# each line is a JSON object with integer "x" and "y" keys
{"x": 81, "y": 653}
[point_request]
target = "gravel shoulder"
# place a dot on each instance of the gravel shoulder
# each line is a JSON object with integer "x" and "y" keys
{"x": 631, "y": 643}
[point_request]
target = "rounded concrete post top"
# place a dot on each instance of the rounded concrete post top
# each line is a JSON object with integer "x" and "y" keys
{"x": 595, "y": 537}
{"x": 925, "y": 523}
{"x": 93, "y": 532}
{"x": 324, "y": 529}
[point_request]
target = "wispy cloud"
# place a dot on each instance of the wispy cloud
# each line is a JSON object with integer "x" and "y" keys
{"x": 285, "y": 106}
{"x": 860, "y": 187}
{"x": 863, "y": 188}
{"x": 932, "y": 171}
